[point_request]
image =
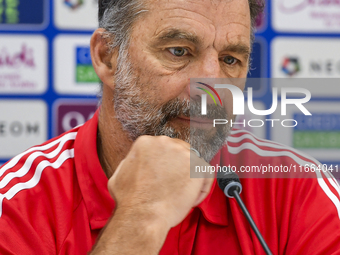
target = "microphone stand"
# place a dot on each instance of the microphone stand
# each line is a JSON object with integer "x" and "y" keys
{"x": 231, "y": 186}
{"x": 236, "y": 195}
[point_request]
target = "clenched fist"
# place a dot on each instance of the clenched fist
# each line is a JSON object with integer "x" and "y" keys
{"x": 153, "y": 192}
{"x": 155, "y": 177}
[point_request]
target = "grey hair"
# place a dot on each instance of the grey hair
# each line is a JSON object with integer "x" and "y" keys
{"x": 117, "y": 20}
{"x": 118, "y": 16}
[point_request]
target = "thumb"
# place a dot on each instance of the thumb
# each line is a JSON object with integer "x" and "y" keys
{"x": 205, "y": 190}
{"x": 110, "y": 183}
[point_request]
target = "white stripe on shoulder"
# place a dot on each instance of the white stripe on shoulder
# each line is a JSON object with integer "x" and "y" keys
{"x": 67, "y": 154}
{"x": 249, "y": 135}
{"x": 328, "y": 192}
{"x": 29, "y": 161}
{"x": 289, "y": 152}
{"x": 270, "y": 144}
{"x": 15, "y": 160}
{"x": 276, "y": 145}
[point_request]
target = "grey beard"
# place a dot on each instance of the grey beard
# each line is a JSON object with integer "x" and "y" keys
{"x": 138, "y": 116}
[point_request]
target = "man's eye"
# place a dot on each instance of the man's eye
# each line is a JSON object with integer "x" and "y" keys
{"x": 229, "y": 60}
{"x": 178, "y": 51}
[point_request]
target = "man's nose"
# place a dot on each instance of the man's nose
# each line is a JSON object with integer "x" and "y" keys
{"x": 209, "y": 66}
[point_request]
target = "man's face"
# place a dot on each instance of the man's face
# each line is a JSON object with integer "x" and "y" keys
{"x": 174, "y": 41}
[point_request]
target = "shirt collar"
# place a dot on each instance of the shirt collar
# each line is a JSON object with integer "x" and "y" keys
{"x": 91, "y": 176}
{"x": 215, "y": 207}
{"x": 93, "y": 181}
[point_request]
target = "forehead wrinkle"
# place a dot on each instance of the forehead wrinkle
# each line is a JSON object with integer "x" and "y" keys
{"x": 212, "y": 25}
{"x": 160, "y": 29}
{"x": 218, "y": 11}
{"x": 185, "y": 10}
{"x": 238, "y": 23}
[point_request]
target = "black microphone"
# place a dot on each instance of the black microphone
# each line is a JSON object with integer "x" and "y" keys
{"x": 231, "y": 186}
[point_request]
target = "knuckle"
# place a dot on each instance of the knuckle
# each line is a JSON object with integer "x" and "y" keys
{"x": 141, "y": 142}
{"x": 111, "y": 185}
{"x": 168, "y": 143}
{"x": 164, "y": 139}
{"x": 143, "y": 139}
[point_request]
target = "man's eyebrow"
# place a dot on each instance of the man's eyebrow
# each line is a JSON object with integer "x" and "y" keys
{"x": 176, "y": 34}
{"x": 239, "y": 48}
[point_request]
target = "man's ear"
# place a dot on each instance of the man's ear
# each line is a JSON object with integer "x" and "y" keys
{"x": 103, "y": 60}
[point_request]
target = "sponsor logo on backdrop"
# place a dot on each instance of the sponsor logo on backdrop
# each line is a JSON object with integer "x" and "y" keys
{"x": 322, "y": 130}
{"x": 317, "y": 135}
{"x": 328, "y": 67}
{"x": 307, "y": 15}
{"x": 23, "y": 124}
{"x": 23, "y": 64}
{"x": 84, "y": 69}
{"x": 22, "y": 58}
{"x": 73, "y": 4}
{"x": 74, "y": 73}
{"x": 71, "y": 114}
{"x": 319, "y": 132}
{"x": 306, "y": 58}
{"x": 17, "y": 13}
{"x": 18, "y": 128}
{"x": 76, "y": 14}
{"x": 291, "y": 66}
{"x": 292, "y": 6}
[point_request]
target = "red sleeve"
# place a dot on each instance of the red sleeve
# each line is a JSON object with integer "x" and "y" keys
{"x": 19, "y": 236}
{"x": 313, "y": 220}
{"x": 33, "y": 203}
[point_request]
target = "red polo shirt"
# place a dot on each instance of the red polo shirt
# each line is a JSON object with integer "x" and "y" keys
{"x": 54, "y": 200}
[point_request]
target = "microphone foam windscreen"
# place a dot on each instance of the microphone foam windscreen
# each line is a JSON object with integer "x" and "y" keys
{"x": 224, "y": 178}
